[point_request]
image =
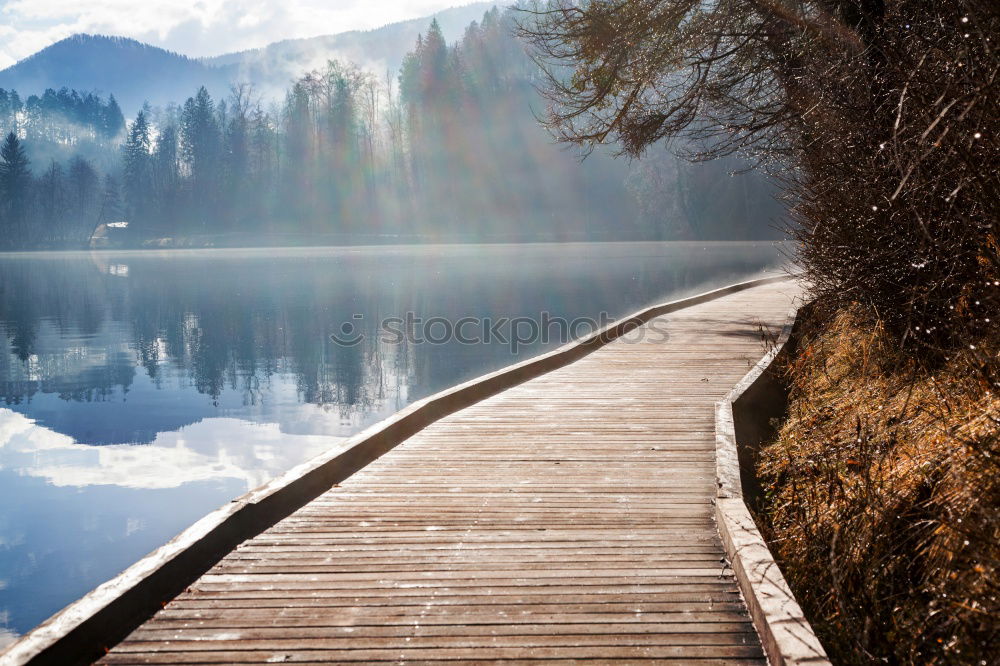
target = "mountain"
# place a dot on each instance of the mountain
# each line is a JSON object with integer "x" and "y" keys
{"x": 130, "y": 70}
{"x": 136, "y": 72}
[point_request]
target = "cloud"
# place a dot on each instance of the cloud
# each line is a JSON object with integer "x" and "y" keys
{"x": 216, "y": 448}
{"x": 199, "y": 28}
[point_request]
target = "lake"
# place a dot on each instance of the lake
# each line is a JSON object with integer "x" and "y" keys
{"x": 141, "y": 390}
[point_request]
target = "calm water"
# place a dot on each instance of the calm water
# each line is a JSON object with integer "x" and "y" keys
{"x": 142, "y": 390}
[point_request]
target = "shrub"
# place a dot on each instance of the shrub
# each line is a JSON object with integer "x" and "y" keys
{"x": 882, "y": 495}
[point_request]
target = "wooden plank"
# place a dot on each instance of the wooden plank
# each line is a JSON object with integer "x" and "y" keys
{"x": 256, "y": 653}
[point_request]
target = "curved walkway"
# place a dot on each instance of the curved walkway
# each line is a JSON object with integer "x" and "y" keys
{"x": 567, "y": 518}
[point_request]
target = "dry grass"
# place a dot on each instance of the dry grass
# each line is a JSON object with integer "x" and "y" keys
{"x": 883, "y": 499}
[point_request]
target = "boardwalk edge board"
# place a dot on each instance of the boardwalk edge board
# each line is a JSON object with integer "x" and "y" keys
{"x": 84, "y": 630}
{"x": 784, "y": 631}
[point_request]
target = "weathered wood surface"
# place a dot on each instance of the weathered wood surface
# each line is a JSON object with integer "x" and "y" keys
{"x": 569, "y": 518}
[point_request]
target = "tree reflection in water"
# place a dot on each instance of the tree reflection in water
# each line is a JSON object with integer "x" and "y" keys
{"x": 230, "y": 324}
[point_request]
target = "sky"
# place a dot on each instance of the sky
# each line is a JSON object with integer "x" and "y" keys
{"x": 195, "y": 27}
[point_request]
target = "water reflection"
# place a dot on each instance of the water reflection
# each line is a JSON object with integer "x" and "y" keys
{"x": 142, "y": 390}
{"x": 214, "y": 448}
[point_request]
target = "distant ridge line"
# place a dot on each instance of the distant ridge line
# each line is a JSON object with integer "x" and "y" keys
{"x": 118, "y": 40}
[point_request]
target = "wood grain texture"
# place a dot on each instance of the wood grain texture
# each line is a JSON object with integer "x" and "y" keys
{"x": 569, "y": 518}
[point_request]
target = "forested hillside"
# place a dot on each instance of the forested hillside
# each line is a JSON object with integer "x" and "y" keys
{"x": 135, "y": 72}
{"x": 450, "y": 149}
{"x": 73, "y": 138}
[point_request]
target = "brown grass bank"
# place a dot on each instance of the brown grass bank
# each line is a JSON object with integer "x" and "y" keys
{"x": 883, "y": 495}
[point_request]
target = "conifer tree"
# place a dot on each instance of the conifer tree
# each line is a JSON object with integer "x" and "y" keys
{"x": 82, "y": 190}
{"x": 136, "y": 171}
{"x": 15, "y": 181}
{"x": 51, "y": 192}
{"x": 298, "y": 165}
{"x": 236, "y": 154}
{"x": 200, "y": 149}
{"x": 166, "y": 177}
{"x": 113, "y": 121}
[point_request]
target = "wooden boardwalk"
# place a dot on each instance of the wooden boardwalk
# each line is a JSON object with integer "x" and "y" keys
{"x": 569, "y": 518}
